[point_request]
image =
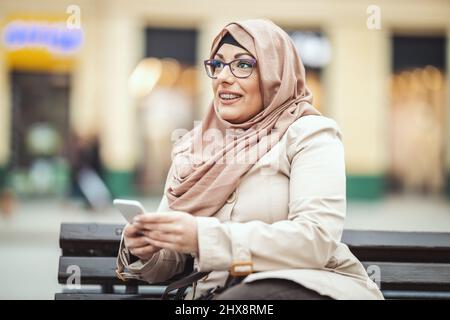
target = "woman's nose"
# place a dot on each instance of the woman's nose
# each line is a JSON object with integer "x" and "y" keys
{"x": 225, "y": 75}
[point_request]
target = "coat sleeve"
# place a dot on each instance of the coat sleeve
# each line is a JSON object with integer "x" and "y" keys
{"x": 317, "y": 205}
{"x": 162, "y": 266}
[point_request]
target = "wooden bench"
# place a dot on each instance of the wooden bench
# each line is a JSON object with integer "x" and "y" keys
{"x": 407, "y": 265}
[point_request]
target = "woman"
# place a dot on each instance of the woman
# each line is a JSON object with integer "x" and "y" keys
{"x": 258, "y": 189}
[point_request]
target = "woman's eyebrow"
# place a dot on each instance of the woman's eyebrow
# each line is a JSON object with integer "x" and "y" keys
{"x": 237, "y": 55}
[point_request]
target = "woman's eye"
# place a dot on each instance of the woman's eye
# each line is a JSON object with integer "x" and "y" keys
{"x": 244, "y": 64}
{"x": 216, "y": 64}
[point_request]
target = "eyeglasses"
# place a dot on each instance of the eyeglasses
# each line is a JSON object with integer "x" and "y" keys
{"x": 240, "y": 68}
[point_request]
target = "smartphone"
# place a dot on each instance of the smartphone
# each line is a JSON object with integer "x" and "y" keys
{"x": 129, "y": 208}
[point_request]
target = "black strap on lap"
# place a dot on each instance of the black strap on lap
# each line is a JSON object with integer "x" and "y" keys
{"x": 183, "y": 284}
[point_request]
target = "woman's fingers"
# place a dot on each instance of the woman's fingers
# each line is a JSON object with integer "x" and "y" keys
{"x": 132, "y": 230}
{"x": 137, "y": 242}
{"x": 174, "y": 228}
{"x": 144, "y": 251}
{"x": 157, "y": 217}
{"x": 162, "y": 236}
{"x": 167, "y": 241}
{"x": 165, "y": 245}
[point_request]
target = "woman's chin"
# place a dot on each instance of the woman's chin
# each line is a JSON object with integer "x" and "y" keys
{"x": 228, "y": 115}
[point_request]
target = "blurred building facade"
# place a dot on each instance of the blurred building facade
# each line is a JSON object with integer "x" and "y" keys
{"x": 134, "y": 73}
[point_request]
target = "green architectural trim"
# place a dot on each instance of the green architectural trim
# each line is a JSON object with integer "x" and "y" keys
{"x": 3, "y": 176}
{"x": 120, "y": 183}
{"x": 365, "y": 187}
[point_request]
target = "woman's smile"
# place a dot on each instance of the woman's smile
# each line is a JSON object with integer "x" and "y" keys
{"x": 227, "y": 97}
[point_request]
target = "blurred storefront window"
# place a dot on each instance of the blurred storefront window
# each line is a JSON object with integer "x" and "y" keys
{"x": 39, "y": 132}
{"x": 165, "y": 85}
{"x": 315, "y": 51}
{"x": 39, "y": 53}
{"x": 417, "y": 122}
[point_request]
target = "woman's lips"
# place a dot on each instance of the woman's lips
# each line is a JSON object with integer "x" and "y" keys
{"x": 229, "y": 101}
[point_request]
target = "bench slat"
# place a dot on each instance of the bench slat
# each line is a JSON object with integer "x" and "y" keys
{"x": 388, "y": 294}
{"x": 423, "y": 295}
{"x": 103, "y": 240}
{"x": 398, "y": 246}
{"x": 93, "y": 270}
{"x": 90, "y": 239}
{"x": 104, "y": 296}
{"x": 410, "y": 276}
{"x": 101, "y": 270}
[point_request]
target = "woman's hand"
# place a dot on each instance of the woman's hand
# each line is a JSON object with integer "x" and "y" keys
{"x": 138, "y": 244}
{"x": 174, "y": 230}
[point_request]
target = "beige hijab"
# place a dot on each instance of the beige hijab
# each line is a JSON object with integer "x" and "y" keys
{"x": 209, "y": 161}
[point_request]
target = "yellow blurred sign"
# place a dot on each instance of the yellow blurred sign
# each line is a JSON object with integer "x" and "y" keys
{"x": 38, "y": 43}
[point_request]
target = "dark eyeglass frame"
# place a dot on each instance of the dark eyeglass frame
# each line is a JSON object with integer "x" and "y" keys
{"x": 251, "y": 60}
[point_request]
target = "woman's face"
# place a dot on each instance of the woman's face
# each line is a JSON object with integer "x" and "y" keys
{"x": 249, "y": 100}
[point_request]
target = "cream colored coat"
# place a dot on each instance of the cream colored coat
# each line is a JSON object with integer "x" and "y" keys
{"x": 285, "y": 218}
